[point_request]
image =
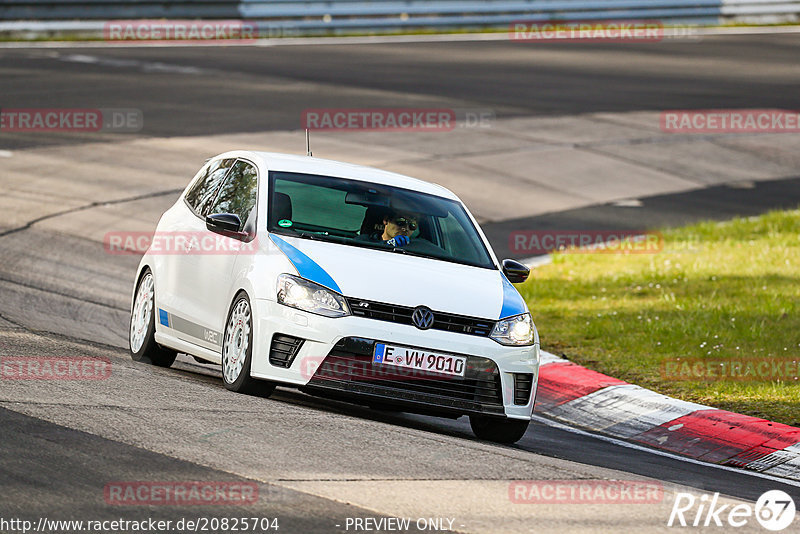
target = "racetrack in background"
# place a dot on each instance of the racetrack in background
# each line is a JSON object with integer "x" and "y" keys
{"x": 576, "y": 128}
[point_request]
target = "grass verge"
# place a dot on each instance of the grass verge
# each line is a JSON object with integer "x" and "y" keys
{"x": 711, "y": 318}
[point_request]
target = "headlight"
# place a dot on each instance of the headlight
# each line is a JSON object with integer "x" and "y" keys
{"x": 517, "y": 330}
{"x": 299, "y": 293}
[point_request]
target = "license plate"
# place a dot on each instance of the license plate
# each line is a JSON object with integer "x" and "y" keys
{"x": 422, "y": 360}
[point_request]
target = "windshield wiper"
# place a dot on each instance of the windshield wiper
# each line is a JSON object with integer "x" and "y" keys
{"x": 306, "y": 235}
{"x": 325, "y": 238}
{"x": 400, "y": 250}
{"x": 388, "y": 248}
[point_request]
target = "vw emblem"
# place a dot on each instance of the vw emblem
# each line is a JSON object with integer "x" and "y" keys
{"x": 422, "y": 317}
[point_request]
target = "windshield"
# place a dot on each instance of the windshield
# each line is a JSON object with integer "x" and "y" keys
{"x": 364, "y": 214}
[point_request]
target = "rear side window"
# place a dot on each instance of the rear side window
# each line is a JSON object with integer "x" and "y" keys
{"x": 239, "y": 192}
{"x": 204, "y": 190}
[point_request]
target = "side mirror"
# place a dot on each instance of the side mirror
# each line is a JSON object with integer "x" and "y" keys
{"x": 226, "y": 224}
{"x": 515, "y": 271}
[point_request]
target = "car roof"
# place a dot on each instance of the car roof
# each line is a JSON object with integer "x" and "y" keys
{"x": 274, "y": 161}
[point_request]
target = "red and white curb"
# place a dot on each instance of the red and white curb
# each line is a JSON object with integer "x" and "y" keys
{"x": 583, "y": 398}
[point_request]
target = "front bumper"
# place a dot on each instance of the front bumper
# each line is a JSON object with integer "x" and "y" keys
{"x": 331, "y": 347}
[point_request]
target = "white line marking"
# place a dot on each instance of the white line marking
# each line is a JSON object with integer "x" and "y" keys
{"x": 81, "y": 58}
{"x": 628, "y": 203}
{"x": 6, "y": 153}
{"x": 145, "y": 66}
{"x": 621, "y": 443}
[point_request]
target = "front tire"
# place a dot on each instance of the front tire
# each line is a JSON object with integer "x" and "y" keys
{"x": 498, "y": 429}
{"x": 237, "y": 351}
{"x": 141, "y": 338}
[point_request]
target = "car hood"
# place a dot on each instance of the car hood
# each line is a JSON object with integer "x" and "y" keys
{"x": 395, "y": 278}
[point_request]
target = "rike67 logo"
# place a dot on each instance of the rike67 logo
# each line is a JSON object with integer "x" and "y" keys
{"x": 774, "y": 510}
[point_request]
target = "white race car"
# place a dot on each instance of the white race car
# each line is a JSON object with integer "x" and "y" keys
{"x": 345, "y": 281}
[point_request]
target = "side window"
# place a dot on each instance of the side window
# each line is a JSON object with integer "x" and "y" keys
{"x": 239, "y": 192}
{"x": 204, "y": 190}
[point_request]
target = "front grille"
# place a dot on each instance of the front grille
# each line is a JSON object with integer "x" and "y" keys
{"x": 448, "y": 322}
{"x": 283, "y": 349}
{"x": 523, "y": 384}
{"x": 348, "y": 368}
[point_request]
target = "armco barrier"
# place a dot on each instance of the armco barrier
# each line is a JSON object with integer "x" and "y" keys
{"x": 116, "y": 9}
{"x": 360, "y": 15}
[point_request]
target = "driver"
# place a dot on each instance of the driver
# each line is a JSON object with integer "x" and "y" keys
{"x": 397, "y": 229}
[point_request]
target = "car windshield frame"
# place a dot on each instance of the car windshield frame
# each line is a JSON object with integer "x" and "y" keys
{"x": 466, "y": 223}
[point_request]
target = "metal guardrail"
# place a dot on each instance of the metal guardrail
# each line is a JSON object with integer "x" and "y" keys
{"x": 116, "y": 9}
{"x": 315, "y": 16}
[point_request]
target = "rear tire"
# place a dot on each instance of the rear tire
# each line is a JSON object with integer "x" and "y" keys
{"x": 237, "y": 351}
{"x": 141, "y": 338}
{"x": 499, "y": 430}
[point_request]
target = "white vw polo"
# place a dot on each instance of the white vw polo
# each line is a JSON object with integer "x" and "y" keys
{"x": 345, "y": 281}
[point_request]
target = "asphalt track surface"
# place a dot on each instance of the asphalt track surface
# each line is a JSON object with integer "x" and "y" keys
{"x": 212, "y": 90}
{"x": 61, "y": 444}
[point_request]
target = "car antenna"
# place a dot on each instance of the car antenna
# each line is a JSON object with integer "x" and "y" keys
{"x": 308, "y": 145}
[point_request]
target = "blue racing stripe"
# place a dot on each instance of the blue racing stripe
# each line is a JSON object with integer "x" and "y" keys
{"x": 163, "y": 317}
{"x": 513, "y": 303}
{"x": 306, "y": 267}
